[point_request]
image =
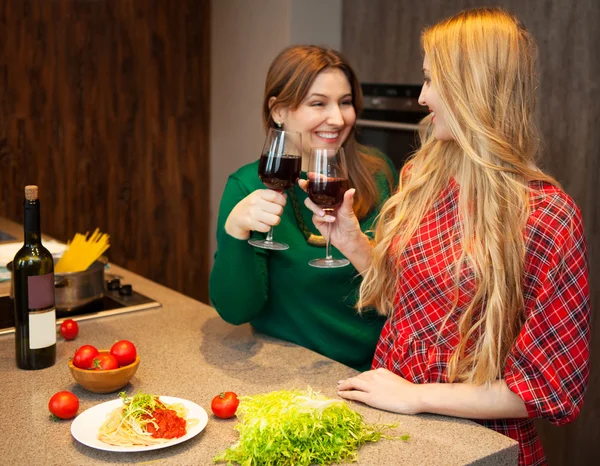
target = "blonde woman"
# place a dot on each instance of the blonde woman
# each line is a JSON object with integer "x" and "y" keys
{"x": 479, "y": 259}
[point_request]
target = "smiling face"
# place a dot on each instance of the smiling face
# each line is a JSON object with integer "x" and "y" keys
{"x": 430, "y": 98}
{"x": 325, "y": 117}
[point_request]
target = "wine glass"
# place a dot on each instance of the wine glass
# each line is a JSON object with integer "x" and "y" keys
{"x": 279, "y": 168}
{"x": 327, "y": 183}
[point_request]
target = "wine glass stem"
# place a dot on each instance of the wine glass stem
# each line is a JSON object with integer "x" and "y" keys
{"x": 327, "y": 246}
{"x": 269, "y": 237}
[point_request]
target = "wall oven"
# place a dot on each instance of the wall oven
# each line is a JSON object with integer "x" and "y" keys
{"x": 390, "y": 119}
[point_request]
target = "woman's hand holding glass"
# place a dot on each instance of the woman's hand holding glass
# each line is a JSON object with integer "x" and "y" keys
{"x": 278, "y": 169}
{"x": 259, "y": 211}
{"x": 344, "y": 226}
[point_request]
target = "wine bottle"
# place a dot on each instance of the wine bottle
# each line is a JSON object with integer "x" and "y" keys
{"x": 33, "y": 275}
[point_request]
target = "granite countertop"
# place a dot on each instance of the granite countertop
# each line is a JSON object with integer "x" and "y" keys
{"x": 187, "y": 351}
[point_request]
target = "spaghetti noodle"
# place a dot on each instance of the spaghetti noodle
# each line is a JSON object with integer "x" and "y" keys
{"x": 144, "y": 420}
{"x": 82, "y": 251}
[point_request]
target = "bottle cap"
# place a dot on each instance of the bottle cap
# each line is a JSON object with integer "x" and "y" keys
{"x": 31, "y": 192}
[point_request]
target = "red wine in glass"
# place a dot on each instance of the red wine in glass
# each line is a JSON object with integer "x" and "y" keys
{"x": 326, "y": 192}
{"x": 279, "y": 173}
{"x": 279, "y": 169}
{"x": 327, "y": 183}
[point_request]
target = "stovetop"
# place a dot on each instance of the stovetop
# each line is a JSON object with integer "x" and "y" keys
{"x": 112, "y": 303}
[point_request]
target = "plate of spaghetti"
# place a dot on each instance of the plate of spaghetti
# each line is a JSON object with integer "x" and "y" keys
{"x": 139, "y": 423}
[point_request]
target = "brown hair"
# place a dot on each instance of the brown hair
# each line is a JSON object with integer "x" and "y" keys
{"x": 289, "y": 79}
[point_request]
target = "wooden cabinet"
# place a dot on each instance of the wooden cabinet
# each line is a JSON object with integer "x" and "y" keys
{"x": 104, "y": 105}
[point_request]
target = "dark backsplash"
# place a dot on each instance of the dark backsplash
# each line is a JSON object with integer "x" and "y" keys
{"x": 105, "y": 106}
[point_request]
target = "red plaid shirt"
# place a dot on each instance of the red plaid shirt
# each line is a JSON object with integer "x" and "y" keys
{"x": 548, "y": 365}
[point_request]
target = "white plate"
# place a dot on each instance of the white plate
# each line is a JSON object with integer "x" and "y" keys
{"x": 85, "y": 426}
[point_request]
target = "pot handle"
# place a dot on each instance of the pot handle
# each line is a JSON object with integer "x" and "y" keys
{"x": 64, "y": 283}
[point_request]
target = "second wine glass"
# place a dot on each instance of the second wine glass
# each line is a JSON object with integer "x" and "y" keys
{"x": 327, "y": 183}
{"x": 279, "y": 168}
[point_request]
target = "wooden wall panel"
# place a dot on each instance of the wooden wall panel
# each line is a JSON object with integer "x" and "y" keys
{"x": 104, "y": 104}
{"x": 381, "y": 38}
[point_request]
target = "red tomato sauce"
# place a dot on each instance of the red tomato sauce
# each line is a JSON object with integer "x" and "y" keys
{"x": 170, "y": 425}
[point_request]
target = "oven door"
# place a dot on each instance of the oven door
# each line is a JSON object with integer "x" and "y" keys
{"x": 390, "y": 119}
{"x": 397, "y": 140}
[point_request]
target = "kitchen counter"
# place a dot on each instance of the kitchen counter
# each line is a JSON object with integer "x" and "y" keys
{"x": 187, "y": 351}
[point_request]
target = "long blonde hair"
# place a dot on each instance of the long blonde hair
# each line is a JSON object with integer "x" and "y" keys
{"x": 289, "y": 79}
{"x": 482, "y": 65}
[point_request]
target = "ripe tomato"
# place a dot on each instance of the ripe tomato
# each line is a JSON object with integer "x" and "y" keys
{"x": 69, "y": 329}
{"x": 63, "y": 405}
{"x": 124, "y": 351}
{"x": 84, "y": 357}
{"x": 224, "y": 405}
{"x": 105, "y": 361}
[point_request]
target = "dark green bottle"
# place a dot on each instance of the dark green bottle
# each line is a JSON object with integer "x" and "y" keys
{"x": 35, "y": 314}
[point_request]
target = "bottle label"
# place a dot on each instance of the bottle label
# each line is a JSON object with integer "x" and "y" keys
{"x": 40, "y": 291}
{"x": 42, "y": 328}
{"x": 42, "y": 313}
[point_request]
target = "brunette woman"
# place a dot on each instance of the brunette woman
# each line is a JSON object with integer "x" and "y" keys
{"x": 314, "y": 91}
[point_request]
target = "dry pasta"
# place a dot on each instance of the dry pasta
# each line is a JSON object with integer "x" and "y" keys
{"x": 82, "y": 252}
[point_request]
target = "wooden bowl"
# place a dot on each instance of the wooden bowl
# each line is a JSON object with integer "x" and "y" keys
{"x": 102, "y": 381}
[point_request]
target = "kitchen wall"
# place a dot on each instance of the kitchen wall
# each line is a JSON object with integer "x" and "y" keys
{"x": 104, "y": 105}
{"x": 381, "y": 38}
{"x": 245, "y": 38}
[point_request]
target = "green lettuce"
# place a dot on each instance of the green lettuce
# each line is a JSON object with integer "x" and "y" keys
{"x": 295, "y": 427}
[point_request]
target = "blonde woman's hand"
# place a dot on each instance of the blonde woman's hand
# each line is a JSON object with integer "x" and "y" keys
{"x": 258, "y": 211}
{"x": 383, "y": 389}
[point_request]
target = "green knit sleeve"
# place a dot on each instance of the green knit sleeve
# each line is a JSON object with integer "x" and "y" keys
{"x": 238, "y": 283}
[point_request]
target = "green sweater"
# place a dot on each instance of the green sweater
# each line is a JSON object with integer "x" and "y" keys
{"x": 280, "y": 294}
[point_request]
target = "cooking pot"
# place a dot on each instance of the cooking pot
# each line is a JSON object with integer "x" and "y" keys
{"x": 73, "y": 290}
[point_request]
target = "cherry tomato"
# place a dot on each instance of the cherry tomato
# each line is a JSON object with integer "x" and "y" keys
{"x": 124, "y": 351}
{"x": 105, "y": 361}
{"x": 224, "y": 405}
{"x": 63, "y": 405}
{"x": 84, "y": 357}
{"x": 69, "y": 329}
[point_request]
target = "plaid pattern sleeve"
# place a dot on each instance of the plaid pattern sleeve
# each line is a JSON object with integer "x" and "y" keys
{"x": 548, "y": 365}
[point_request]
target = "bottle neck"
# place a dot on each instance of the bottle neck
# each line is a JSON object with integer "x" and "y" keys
{"x": 31, "y": 223}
